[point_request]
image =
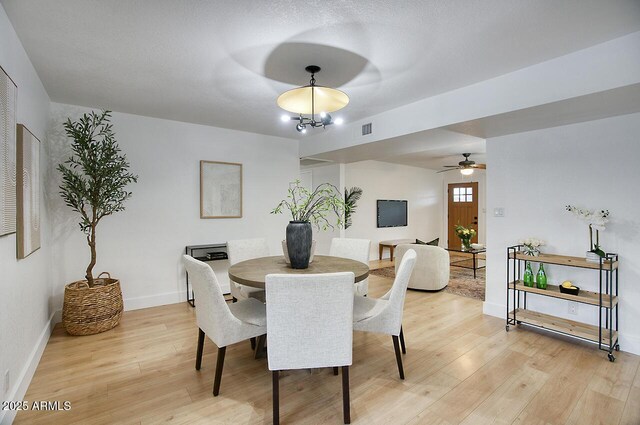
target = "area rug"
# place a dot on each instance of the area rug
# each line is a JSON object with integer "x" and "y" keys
{"x": 461, "y": 281}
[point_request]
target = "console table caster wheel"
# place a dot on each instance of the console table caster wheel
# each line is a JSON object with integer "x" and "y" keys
{"x": 506, "y": 328}
{"x": 611, "y": 357}
{"x": 617, "y": 347}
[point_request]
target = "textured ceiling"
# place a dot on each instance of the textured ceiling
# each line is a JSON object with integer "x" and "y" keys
{"x": 223, "y": 63}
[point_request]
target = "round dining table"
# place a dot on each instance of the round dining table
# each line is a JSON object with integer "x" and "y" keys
{"x": 253, "y": 272}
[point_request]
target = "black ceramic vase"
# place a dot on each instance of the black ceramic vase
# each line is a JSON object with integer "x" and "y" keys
{"x": 299, "y": 236}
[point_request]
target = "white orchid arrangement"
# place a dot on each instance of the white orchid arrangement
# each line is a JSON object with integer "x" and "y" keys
{"x": 596, "y": 219}
{"x": 532, "y": 246}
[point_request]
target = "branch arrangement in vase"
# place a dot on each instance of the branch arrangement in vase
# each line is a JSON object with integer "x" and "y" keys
{"x": 314, "y": 206}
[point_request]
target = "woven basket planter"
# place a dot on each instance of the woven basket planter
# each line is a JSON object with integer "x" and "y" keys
{"x": 88, "y": 311}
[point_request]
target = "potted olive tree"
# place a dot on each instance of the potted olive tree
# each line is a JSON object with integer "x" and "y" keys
{"x": 94, "y": 181}
{"x": 307, "y": 208}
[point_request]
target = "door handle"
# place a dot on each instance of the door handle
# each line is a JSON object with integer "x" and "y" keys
{"x": 475, "y": 222}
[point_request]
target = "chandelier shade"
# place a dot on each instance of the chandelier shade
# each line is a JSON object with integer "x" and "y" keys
{"x": 312, "y": 99}
{"x": 312, "y": 104}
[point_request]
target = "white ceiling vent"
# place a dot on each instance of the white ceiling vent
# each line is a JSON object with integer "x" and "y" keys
{"x": 366, "y": 129}
{"x": 308, "y": 161}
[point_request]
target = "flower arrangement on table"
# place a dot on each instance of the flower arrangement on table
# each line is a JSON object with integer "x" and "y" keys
{"x": 596, "y": 221}
{"x": 465, "y": 234}
{"x": 532, "y": 246}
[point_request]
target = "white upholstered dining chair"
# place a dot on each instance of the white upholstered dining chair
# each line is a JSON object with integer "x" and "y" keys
{"x": 310, "y": 321}
{"x": 354, "y": 249}
{"x": 224, "y": 324}
{"x": 384, "y": 315}
{"x": 242, "y": 250}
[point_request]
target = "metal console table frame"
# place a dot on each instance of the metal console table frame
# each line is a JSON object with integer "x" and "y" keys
{"x": 606, "y": 299}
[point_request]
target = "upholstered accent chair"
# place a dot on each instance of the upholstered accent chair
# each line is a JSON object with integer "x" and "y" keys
{"x": 384, "y": 315}
{"x": 353, "y": 249}
{"x": 242, "y": 250}
{"x": 224, "y": 324}
{"x": 310, "y": 326}
{"x": 431, "y": 272}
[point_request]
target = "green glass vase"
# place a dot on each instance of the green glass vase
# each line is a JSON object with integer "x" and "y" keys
{"x": 527, "y": 278}
{"x": 541, "y": 278}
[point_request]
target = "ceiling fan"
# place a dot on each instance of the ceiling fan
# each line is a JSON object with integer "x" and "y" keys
{"x": 466, "y": 166}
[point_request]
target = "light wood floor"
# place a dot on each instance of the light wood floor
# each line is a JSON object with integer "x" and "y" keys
{"x": 461, "y": 368}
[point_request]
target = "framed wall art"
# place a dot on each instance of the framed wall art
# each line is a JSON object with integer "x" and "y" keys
{"x": 28, "y": 194}
{"x": 8, "y": 98}
{"x": 220, "y": 189}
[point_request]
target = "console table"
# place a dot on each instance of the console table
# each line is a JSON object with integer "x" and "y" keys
{"x": 391, "y": 244}
{"x": 208, "y": 252}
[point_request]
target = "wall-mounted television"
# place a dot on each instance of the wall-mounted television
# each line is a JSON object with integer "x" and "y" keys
{"x": 392, "y": 213}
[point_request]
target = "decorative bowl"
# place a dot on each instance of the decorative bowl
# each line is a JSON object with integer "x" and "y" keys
{"x": 477, "y": 245}
{"x": 569, "y": 290}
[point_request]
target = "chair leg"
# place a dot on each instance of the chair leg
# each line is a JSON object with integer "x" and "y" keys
{"x": 276, "y": 397}
{"x": 219, "y": 365}
{"x": 404, "y": 348}
{"x": 253, "y": 343}
{"x": 260, "y": 346}
{"x": 200, "y": 347}
{"x": 335, "y": 371}
{"x": 346, "y": 405}
{"x": 396, "y": 347}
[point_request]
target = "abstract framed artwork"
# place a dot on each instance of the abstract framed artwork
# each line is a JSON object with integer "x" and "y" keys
{"x": 220, "y": 189}
{"x": 28, "y": 194}
{"x": 8, "y": 98}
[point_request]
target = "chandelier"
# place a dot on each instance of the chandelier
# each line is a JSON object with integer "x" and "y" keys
{"x": 312, "y": 104}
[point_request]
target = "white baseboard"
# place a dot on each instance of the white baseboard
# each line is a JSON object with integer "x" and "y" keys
{"x": 154, "y": 300}
{"x": 492, "y": 309}
{"x": 24, "y": 379}
{"x": 630, "y": 344}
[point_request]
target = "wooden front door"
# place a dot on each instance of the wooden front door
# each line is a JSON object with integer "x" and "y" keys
{"x": 463, "y": 210}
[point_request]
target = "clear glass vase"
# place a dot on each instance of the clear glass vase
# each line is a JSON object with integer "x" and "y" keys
{"x": 466, "y": 244}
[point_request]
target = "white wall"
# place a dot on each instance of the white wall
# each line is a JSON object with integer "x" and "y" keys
{"x": 24, "y": 285}
{"x": 534, "y": 175}
{"x": 142, "y": 245}
{"x": 422, "y": 189}
{"x": 478, "y": 176}
{"x": 330, "y": 173}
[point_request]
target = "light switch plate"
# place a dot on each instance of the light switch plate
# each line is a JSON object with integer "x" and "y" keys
{"x": 498, "y": 212}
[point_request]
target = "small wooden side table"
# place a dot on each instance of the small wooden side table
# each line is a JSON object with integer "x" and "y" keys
{"x": 391, "y": 244}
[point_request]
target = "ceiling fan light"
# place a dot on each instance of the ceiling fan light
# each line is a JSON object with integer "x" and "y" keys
{"x": 326, "y": 119}
{"x": 466, "y": 171}
{"x": 285, "y": 118}
{"x": 301, "y": 128}
{"x": 338, "y": 121}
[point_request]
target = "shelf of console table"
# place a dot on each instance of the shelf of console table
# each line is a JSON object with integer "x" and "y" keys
{"x": 565, "y": 326}
{"x": 564, "y": 260}
{"x": 585, "y": 297}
